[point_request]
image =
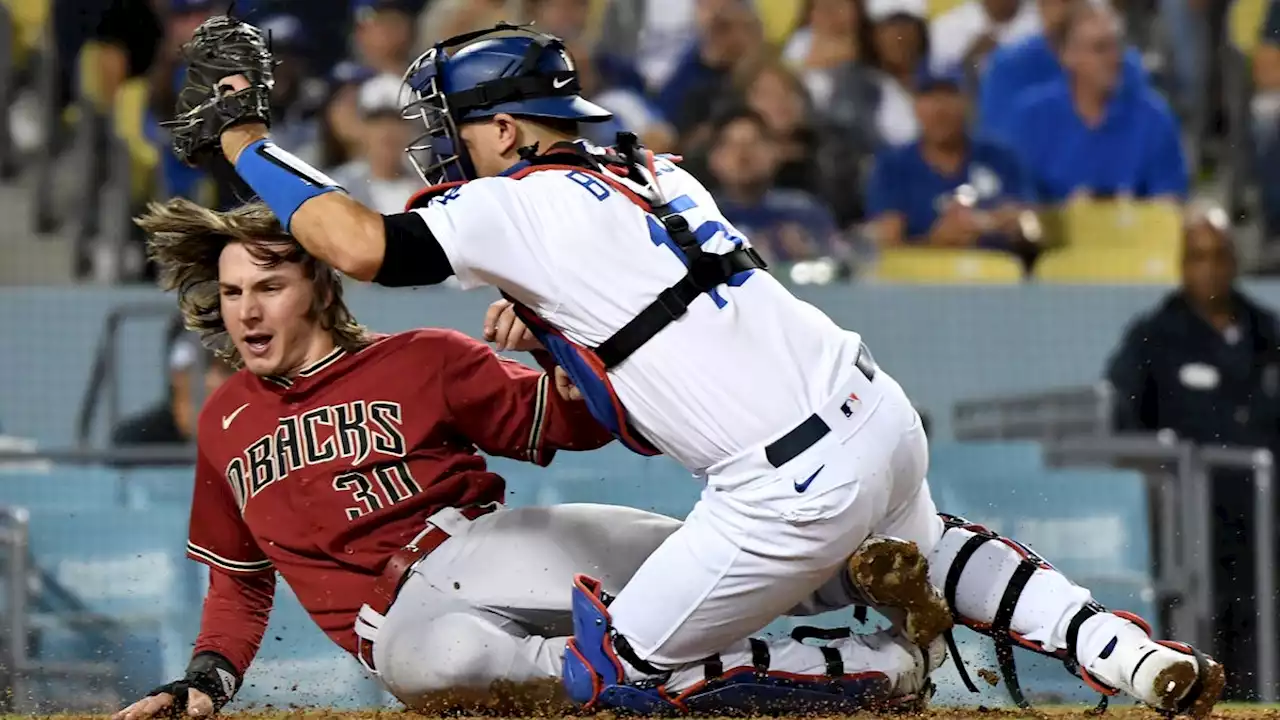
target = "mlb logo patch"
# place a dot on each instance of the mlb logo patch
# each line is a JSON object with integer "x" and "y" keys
{"x": 848, "y": 407}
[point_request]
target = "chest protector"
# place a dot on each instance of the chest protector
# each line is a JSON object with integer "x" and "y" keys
{"x": 589, "y": 367}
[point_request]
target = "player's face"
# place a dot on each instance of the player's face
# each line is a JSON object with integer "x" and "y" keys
{"x": 268, "y": 312}
{"x": 491, "y": 144}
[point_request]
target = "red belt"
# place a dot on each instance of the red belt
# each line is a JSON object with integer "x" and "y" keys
{"x": 396, "y": 570}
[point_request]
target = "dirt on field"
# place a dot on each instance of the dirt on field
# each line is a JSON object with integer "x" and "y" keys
{"x": 1229, "y": 712}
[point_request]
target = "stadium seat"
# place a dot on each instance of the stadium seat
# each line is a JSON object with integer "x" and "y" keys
{"x": 779, "y": 18}
{"x": 1244, "y": 24}
{"x": 29, "y": 18}
{"x": 1142, "y": 264}
{"x": 1112, "y": 241}
{"x": 937, "y": 7}
{"x": 89, "y": 75}
{"x": 946, "y": 266}
{"x": 1108, "y": 223}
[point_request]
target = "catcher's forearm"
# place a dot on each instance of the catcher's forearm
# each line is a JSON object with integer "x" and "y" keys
{"x": 343, "y": 233}
{"x": 330, "y": 225}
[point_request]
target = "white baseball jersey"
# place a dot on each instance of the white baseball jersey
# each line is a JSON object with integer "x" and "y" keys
{"x": 746, "y": 363}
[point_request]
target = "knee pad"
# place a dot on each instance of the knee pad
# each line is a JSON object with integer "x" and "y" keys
{"x": 1008, "y": 571}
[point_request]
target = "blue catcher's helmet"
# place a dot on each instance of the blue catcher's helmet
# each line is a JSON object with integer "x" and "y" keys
{"x": 519, "y": 72}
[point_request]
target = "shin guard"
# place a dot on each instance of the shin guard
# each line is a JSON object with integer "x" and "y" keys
{"x": 993, "y": 613}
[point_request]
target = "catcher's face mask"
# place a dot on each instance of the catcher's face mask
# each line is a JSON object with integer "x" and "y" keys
{"x": 438, "y": 154}
{"x": 517, "y": 72}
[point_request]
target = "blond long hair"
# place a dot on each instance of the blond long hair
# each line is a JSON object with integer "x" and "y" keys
{"x": 186, "y": 240}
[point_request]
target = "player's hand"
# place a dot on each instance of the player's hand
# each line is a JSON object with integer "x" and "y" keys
{"x": 198, "y": 705}
{"x": 565, "y": 386}
{"x": 506, "y": 330}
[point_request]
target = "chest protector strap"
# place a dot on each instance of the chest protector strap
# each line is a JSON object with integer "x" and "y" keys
{"x": 706, "y": 271}
{"x": 588, "y": 367}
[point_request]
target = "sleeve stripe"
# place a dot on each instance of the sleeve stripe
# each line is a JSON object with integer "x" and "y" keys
{"x": 539, "y": 418}
{"x": 218, "y": 561}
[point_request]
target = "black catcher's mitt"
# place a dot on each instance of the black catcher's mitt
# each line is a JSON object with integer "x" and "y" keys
{"x": 221, "y": 47}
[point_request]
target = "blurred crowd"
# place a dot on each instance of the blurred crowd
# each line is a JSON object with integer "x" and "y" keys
{"x": 827, "y": 128}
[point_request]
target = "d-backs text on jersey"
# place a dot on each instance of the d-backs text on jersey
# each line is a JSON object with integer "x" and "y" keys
{"x": 332, "y": 436}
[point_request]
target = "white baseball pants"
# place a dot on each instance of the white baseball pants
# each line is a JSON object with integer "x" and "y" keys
{"x": 493, "y": 603}
{"x": 762, "y": 539}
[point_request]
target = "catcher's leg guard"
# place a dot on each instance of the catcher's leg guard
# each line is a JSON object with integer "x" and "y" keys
{"x": 847, "y": 674}
{"x": 1000, "y": 588}
{"x": 593, "y": 674}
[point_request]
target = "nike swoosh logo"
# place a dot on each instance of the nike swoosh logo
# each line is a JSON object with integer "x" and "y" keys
{"x": 228, "y": 419}
{"x": 557, "y": 84}
{"x": 801, "y": 487}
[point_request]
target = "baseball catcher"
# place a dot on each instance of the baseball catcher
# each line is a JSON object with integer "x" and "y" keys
{"x": 811, "y": 455}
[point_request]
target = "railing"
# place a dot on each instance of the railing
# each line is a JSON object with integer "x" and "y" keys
{"x": 1045, "y": 415}
{"x": 23, "y": 674}
{"x": 104, "y": 376}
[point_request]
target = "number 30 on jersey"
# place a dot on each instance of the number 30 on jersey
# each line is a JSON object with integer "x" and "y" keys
{"x": 373, "y": 490}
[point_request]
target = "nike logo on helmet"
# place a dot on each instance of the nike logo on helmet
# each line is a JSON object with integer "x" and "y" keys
{"x": 801, "y": 487}
{"x": 557, "y": 84}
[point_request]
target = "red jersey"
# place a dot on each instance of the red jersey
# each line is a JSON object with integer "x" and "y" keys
{"x": 322, "y": 477}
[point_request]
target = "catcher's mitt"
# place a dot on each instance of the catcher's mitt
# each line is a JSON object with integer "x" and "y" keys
{"x": 221, "y": 47}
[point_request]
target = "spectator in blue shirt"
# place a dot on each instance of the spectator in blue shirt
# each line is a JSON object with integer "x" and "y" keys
{"x": 1096, "y": 133}
{"x": 728, "y": 33}
{"x": 784, "y": 225}
{"x": 946, "y": 189}
{"x": 1013, "y": 70}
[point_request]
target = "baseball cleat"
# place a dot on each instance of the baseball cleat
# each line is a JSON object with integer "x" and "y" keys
{"x": 893, "y": 573}
{"x": 1171, "y": 677}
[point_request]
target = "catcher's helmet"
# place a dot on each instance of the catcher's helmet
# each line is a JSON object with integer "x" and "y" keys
{"x": 519, "y": 72}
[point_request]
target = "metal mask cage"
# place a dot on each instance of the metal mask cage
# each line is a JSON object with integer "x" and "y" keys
{"x": 437, "y": 154}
